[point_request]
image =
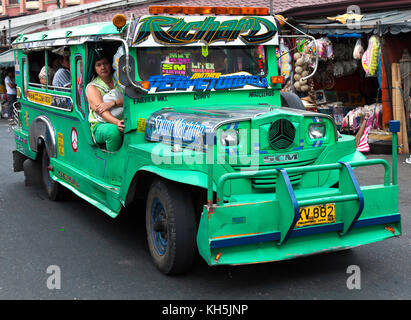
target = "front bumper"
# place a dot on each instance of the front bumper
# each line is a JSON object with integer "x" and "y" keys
{"x": 253, "y": 228}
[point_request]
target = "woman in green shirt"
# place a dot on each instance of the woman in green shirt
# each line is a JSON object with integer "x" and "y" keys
{"x": 104, "y": 96}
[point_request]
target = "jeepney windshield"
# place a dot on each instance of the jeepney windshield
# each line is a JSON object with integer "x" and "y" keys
{"x": 191, "y": 60}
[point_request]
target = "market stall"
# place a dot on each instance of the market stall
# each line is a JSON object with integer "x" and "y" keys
{"x": 363, "y": 73}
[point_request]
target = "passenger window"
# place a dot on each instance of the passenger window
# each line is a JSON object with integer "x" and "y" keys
{"x": 35, "y": 64}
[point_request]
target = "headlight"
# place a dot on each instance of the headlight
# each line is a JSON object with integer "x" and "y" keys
{"x": 230, "y": 138}
{"x": 316, "y": 131}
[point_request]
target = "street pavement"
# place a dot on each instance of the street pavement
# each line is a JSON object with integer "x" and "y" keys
{"x": 103, "y": 258}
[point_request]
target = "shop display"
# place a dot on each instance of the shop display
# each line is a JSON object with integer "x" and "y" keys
{"x": 337, "y": 88}
{"x": 353, "y": 120}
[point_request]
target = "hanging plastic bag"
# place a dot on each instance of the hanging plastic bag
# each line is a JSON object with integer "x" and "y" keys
{"x": 370, "y": 57}
{"x": 358, "y": 50}
{"x": 322, "y": 49}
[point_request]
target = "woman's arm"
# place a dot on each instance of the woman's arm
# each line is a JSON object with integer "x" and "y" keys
{"x": 95, "y": 101}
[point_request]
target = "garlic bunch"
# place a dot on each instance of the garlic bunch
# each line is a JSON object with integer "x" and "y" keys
{"x": 301, "y": 71}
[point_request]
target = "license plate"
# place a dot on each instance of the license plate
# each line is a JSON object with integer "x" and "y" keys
{"x": 314, "y": 215}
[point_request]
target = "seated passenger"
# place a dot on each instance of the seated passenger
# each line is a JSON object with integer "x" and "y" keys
{"x": 105, "y": 99}
{"x": 62, "y": 77}
{"x": 52, "y": 68}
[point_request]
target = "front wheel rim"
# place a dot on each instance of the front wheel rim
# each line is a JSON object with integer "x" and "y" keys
{"x": 158, "y": 227}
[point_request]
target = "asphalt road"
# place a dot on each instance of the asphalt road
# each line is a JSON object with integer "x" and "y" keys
{"x": 103, "y": 258}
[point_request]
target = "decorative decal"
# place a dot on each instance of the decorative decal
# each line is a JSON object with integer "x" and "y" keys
{"x": 141, "y": 125}
{"x": 183, "y": 130}
{"x": 182, "y": 83}
{"x": 193, "y": 127}
{"x": 26, "y": 116}
{"x": 74, "y": 139}
{"x": 68, "y": 179}
{"x": 317, "y": 144}
{"x": 281, "y": 158}
{"x": 257, "y": 149}
{"x": 40, "y": 98}
{"x": 301, "y": 145}
{"x": 166, "y": 30}
{"x": 60, "y": 142}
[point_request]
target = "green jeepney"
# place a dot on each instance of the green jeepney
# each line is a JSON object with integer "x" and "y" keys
{"x": 226, "y": 164}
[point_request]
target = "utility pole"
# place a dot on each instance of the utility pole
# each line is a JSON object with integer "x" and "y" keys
{"x": 9, "y": 32}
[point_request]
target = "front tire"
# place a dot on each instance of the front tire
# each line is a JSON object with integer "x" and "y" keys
{"x": 171, "y": 228}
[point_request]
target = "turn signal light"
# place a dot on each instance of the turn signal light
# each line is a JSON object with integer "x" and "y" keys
{"x": 119, "y": 20}
{"x": 233, "y": 11}
{"x": 278, "y": 79}
{"x": 145, "y": 84}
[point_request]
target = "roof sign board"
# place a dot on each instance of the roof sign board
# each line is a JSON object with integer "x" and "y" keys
{"x": 154, "y": 31}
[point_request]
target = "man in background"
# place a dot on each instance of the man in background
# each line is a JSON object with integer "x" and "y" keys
{"x": 11, "y": 91}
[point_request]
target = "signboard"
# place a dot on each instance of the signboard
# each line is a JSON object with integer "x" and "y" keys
{"x": 152, "y": 31}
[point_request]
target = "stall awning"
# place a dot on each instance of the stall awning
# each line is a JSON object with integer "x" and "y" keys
{"x": 7, "y": 59}
{"x": 388, "y": 22}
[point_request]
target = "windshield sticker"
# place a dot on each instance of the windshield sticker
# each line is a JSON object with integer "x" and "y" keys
{"x": 227, "y": 82}
{"x": 204, "y": 51}
{"x": 176, "y": 63}
{"x": 166, "y": 30}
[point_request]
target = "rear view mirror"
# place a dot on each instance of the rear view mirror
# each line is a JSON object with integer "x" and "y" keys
{"x": 132, "y": 90}
{"x": 122, "y": 66}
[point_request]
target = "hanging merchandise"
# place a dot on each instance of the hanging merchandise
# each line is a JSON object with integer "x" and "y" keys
{"x": 358, "y": 50}
{"x": 310, "y": 53}
{"x": 322, "y": 49}
{"x": 325, "y": 49}
{"x": 301, "y": 71}
{"x": 284, "y": 60}
{"x": 370, "y": 57}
